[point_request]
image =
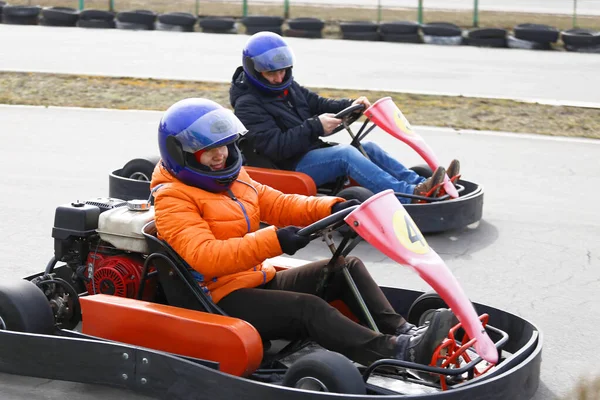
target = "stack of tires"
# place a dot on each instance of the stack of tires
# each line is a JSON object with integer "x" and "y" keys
{"x": 305, "y": 28}
{"x": 176, "y": 22}
{"x": 2, "y": 4}
{"x": 581, "y": 40}
{"x": 20, "y": 15}
{"x": 59, "y": 16}
{"x": 533, "y": 37}
{"x": 442, "y": 33}
{"x": 96, "y": 19}
{"x": 400, "y": 31}
{"x": 360, "y": 30}
{"x": 487, "y": 37}
{"x": 260, "y": 23}
{"x": 137, "y": 20}
{"x": 217, "y": 25}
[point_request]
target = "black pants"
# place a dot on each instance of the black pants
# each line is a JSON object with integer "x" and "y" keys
{"x": 287, "y": 307}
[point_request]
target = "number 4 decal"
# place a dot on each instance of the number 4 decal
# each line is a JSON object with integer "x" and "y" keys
{"x": 414, "y": 234}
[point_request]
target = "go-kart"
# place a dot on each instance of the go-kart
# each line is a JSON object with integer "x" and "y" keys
{"x": 462, "y": 204}
{"x": 124, "y": 309}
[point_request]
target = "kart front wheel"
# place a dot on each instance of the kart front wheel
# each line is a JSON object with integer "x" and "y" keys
{"x": 24, "y": 308}
{"x": 325, "y": 371}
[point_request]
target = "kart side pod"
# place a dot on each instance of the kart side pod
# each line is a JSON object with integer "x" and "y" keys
{"x": 232, "y": 342}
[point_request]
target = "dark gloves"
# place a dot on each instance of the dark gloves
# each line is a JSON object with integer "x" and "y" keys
{"x": 344, "y": 204}
{"x": 290, "y": 241}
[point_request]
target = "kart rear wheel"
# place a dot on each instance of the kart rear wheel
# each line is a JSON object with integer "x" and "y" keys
{"x": 423, "y": 307}
{"x": 140, "y": 169}
{"x": 24, "y": 308}
{"x": 325, "y": 371}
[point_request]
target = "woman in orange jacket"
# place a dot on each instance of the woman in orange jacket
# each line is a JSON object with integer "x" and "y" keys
{"x": 209, "y": 211}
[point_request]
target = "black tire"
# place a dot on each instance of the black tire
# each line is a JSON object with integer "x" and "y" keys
{"x": 177, "y": 18}
{"x": 251, "y": 30}
{"x": 261, "y": 21}
{"x": 24, "y": 308}
{"x": 133, "y": 26}
{"x": 140, "y": 169}
{"x": 423, "y": 170}
{"x": 441, "y": 29}
{"x": 355, "y": 192}
{"x": 96, "y": 15}
{"x": 443, "y": 40}
{"x": 59, "y": 16}
{"x": 402, "y": 37}
{"x": 303, "y": 33}
{"x": 20, "y": 15}
{"x": 584, "y": 49}
{"x": 159, "y": 26}
{"x": 325, "y": 371}
{"x": 306, "y": 24}
{"x": 536, "y": 33}
{"x": 217, "y": 24}
{"x": 420, "y": 309}
{"x": 371, "y": 36}
{"x": 486, "y": 42}
{"x": 359, "y": 27}
{"x": 400, "y": 27}
{"x": 487, "y": 33}
{"x": 580, "y": 37}
{"x": 96, "y": 23}
{"x": 515, "y": 43}
{"x": 138, "y": 17}
{"x": 230, "y": 31}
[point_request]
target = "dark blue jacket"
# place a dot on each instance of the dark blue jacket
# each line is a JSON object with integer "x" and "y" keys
{"x": 282, "y": 128}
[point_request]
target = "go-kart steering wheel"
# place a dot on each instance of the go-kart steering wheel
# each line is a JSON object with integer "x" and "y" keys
{"x": 348, "y": 116}
{"x": 332, "y": 221}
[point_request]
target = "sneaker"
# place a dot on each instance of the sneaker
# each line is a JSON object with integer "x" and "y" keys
{"x": 419, "y": 347}
{"x": 453, "y": 170}
{"x": 431, "y": 186}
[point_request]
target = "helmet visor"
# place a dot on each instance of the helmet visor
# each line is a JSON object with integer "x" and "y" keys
{"x": 274, "y": 59}
{"x": 215, "y": 128}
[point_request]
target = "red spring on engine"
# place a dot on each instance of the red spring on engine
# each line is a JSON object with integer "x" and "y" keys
{"x": 451, "y": 353}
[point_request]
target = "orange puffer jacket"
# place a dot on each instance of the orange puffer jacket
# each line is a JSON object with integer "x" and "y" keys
{"x": 219, "y": 235}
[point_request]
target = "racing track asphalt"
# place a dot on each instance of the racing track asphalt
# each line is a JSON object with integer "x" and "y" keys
{"x": 554, "y": 77}
{"x": 536, "y": 253}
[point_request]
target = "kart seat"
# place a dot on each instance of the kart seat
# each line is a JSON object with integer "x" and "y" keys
{"x": 175, "y": 275}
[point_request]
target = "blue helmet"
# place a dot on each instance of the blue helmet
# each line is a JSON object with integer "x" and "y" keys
{"x": 197, "y": 124}
{"x": 267, "y": 51}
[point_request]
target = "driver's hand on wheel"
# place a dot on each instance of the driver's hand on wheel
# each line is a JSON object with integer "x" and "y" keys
{"x": 329, "y": 122}
{"x": 362, "y": 100}
{"x": 290, "y": 241}
{"x": 343, "y": 205}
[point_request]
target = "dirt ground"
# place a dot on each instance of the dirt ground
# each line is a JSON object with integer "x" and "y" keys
{"x": 151, "y": 94}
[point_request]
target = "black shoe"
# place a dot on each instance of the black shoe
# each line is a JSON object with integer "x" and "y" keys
{"x": 419, "y": 346}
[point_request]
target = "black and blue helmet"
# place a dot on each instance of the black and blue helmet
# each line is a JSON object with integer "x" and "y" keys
{"x": 267, "y": 51}
{"x": 195, "y": 124}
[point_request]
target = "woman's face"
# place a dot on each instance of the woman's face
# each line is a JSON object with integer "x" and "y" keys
{"x": 215, "y": 158}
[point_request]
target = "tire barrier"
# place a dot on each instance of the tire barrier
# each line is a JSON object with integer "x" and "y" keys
{"x": 59, "y": 16}
{"x": 217, "y": 25}
{"x": 528, "y": 36}
{"x": 259, "y": 23}
{"x": 98, "y": 19}
{"x": 136, "y": 20}
{"x": 20, "y": 15}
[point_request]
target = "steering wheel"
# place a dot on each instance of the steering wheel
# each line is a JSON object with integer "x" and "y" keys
{"x": 332, "y": 221}
{"x": 348, "y": 116}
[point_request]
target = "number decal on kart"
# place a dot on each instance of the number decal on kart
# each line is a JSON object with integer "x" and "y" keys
{"x": 402, "y": 122}
{"x": 408, "y": 234}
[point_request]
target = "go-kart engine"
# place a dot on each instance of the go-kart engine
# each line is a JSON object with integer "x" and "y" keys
{"x": 118, "y": 275}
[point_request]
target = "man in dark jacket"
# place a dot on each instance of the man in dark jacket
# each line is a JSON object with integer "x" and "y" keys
{"x": 286, "y": 120}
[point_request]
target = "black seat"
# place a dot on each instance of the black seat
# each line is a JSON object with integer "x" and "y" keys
{"x": 174, "y": 275}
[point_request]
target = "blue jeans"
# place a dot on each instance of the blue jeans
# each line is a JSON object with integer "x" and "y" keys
{"x": 380, "y": 173}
